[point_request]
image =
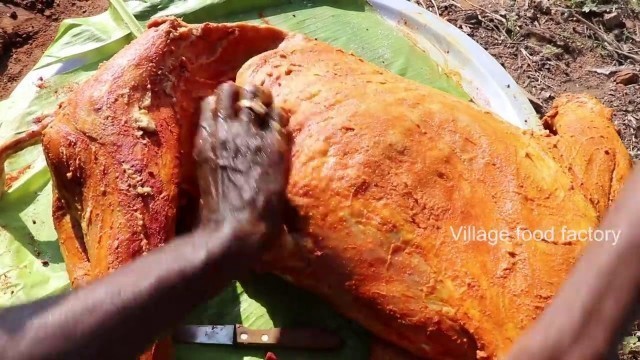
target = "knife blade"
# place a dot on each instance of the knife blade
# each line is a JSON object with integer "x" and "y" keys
{"x": 238, "y": 335}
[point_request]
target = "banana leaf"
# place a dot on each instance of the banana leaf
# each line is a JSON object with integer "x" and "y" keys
{"x": 31, "y": 266}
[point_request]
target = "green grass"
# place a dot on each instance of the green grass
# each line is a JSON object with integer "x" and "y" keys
{"x": 586, "y": 5}
{"x": 631, "y": 344}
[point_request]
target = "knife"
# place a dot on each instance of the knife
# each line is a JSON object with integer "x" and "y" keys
{"x": 238, "y": 335}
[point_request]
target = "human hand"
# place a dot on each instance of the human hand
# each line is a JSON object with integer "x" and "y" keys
{"x": 243, "y": 153}
{"x": 538, "y": 344}
{"x": 587, "y": 316}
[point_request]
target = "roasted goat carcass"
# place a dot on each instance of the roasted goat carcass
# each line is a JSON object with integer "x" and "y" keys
{"x": 384, "y": 172}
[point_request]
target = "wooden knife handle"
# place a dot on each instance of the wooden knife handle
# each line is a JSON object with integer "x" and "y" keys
{"x": 295, "y": 338}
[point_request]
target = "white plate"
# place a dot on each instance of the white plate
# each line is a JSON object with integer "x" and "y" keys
{"x": 481, "y": 76}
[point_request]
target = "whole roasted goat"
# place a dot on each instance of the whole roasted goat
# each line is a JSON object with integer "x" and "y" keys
{"x": 387, "y": 178}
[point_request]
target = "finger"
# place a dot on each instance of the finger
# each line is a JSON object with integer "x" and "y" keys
{"x": 278, "y": 116}
{"x": 206, "y": 158}
{"x": 278, "y": 154}
{"x": 206, "y": 128}
{"x": 278, "y": 124}
{"x": 226, "y": 99}
{"x": 253, "y": 109}
{"x": 250, "y": 117}
{"x": 207, "y": 108}
{"x": 261, "y": 94}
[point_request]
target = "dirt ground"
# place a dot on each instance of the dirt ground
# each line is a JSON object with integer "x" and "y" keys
{"x": 549, "y": 46}
{"x": 552, "y": 47}
{"x": 27, "y": 27}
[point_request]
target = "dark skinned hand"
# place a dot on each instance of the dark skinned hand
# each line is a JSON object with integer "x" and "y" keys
{"x": 242, "y": 150}
{"x": 599, "y": 301}
{"x": 243, "y": 154}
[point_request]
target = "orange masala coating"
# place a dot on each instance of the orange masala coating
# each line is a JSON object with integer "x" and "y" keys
{"x": 385, "y": 174}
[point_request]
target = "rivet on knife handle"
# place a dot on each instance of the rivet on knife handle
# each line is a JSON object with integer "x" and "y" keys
{"x": 298, "y": 338}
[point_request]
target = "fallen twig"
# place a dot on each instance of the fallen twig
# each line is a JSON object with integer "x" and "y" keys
{"x": 548, "y": 37}
{"x": 634, "y": 38}
{"x": 610, "y": 70}
{"x": 541, "y": 81}
{"x": 499, "y": 18}
{"x": 537, "y": 104}
{"x": 610, "y": 44}
{"x": 454, "y": 4}
{"x": 496, "y": 28}
{"x": 629, "y": 55}
{"x": 435, "y": 6}
{"x": 528, "y": 58}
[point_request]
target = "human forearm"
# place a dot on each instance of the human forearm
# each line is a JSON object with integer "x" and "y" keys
{"x": 605, "y": 286}
{"x": 598, "y": 301}
{"x": 242, "y": 158}
{"x": 119, "y": 316}
{"x": 595, "y": 305}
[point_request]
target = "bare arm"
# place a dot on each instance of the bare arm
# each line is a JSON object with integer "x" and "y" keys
{"x": 120, "y": 315}
{"x": 131, "y": 307}
{"x": 598, "y": 302}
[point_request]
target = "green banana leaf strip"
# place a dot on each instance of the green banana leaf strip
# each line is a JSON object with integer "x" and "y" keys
{"x": 31, "y": 266}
